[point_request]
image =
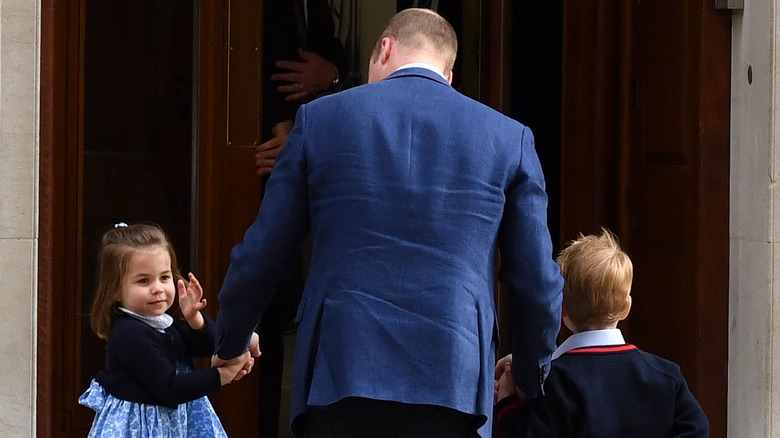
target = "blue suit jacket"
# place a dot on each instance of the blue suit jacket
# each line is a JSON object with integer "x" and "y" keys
{"x": 408, "y": 188}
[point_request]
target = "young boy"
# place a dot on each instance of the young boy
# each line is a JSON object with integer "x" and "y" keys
{"x": 598, "y": 385}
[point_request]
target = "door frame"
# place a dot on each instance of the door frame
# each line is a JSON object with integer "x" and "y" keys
{"x": 58, "y": 232}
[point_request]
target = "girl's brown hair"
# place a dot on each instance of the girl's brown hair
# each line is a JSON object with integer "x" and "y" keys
{"x": 116, "y": 248}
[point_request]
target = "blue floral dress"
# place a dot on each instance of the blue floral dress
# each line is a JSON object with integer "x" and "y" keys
{"x": 116, "y": 418}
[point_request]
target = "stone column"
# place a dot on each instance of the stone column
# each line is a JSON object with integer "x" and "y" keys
{"x": 754, "y": 292}
{"x": 19, "y": 115}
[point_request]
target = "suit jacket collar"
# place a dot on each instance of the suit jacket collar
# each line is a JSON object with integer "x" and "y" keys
{"x": 417, "y": 71}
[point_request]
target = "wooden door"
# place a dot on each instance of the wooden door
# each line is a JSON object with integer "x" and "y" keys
{"x": 228, "y": 190}
{"x": 645, "y": 153}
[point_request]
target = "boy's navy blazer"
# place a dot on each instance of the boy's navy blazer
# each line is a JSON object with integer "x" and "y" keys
{"x": 611, "y": 391}
{"x": 408, "y": 188}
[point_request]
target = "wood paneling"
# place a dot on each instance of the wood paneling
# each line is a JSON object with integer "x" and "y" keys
{"x": 495, "y": 47}
{"x": 244, "y": 78}
{"x": 60, "y": 129}
{"x": 228, "y": 192}
{"x": 590, "y": 93}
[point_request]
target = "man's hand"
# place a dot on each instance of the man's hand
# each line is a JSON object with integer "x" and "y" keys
{"x": 266, "y": 153}
{"x": 505, "y": 386}
{"x": 231, "y": 369}
{"x": 312, "y": 75}
{"x": 501, "y": 365}
{"x": 254, "y": 345}
{"x": 253, "y": 351}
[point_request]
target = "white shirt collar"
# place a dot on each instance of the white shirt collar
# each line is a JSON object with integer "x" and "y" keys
{"x": 590, "y": 338}
{"x": 160, "y": 323}
{"x": 425, "y": 66}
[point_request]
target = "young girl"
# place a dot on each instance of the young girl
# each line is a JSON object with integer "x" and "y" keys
{"x": 149, "y": 387}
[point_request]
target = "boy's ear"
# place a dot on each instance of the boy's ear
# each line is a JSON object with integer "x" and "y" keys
{"x": 628, "y": 309}
{"x": 567, "y": 320}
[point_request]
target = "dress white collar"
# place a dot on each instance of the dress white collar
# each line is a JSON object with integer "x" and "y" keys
{"x": 160, "y": 323}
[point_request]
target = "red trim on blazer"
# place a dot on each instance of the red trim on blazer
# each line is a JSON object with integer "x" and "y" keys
{"x": 607, "y": 349}
{"x": 512, "y": 405}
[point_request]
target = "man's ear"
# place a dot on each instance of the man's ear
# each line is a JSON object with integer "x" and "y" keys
{"x": 387, "y": 48}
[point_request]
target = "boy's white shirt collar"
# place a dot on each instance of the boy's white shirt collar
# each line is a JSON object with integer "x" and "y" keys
{"x": 590, "y": 338}
{"x": 425, "y": 66}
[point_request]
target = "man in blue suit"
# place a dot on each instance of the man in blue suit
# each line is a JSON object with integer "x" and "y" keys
{"x": 408, "y": 188}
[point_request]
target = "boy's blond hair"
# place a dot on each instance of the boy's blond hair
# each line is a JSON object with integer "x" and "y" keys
{"x": 597, "y": 278}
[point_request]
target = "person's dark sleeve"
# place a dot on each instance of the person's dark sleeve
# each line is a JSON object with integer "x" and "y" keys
{"x": 198, "y": 343}
{"x": 550, "y": 415}
{"x": 279, "y": 44}
{"x": 322, "y": 38}
{"x": 689, "y": 418}
{"x": 150, "y": 361}
{"x": 507, "y": 413}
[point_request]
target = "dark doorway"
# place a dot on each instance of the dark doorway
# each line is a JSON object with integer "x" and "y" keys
{"x": 536, "y": 75}
{"x": 137, "y": 134}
